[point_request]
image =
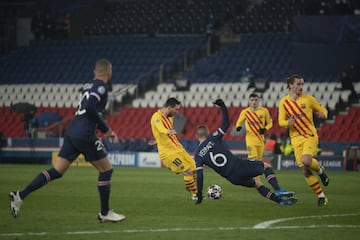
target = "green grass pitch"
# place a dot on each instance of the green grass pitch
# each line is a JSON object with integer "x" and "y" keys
{"x": 158, "y": 207}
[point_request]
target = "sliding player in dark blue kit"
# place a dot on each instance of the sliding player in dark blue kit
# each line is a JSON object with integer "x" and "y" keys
{"x": 213, "y": 153}
{"x": 79, "y": 138}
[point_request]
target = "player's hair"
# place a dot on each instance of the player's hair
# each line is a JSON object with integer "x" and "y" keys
{"x": 171, "y": 102}
{"x": 254, "y": 95}
{"x": 102, "y": 66}
{"x": 202, "y": 131}
{"x": 291, "y": 79}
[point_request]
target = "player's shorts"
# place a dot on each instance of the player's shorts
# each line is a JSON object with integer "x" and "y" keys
{"x": 303, "y": 146}
{"x": 244, "y": 172}
{"x": 179, "y": 162}
{"x": 92, "y": 149}
{"x": 255, "y": 151}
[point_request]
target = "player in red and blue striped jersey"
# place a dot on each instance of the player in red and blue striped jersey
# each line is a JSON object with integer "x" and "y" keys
{"x": 213, "y": 153}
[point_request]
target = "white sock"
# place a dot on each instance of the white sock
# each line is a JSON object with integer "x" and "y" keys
{"x": 321, "y": 195}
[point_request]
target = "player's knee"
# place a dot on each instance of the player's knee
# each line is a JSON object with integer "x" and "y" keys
{"x": 188, "y": 172}
{"x": 266, "y": 165}
{"x": 257, "y": 183}
{"x": 105, "y": 176}
{"x": 306, "y": 160}
{"x": 52, "y": 174}
{"x": 306, "y": 171}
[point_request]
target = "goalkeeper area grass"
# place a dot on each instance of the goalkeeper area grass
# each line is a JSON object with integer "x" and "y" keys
{"x": 157, "y": 206}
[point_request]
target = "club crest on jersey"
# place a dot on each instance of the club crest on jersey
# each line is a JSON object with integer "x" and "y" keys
{"x": 157, "y": 120}
{"x": 101, "y": 90}
{"x": 303, "y": 105}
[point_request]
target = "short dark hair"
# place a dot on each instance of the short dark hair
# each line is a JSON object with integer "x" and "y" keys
{"x": 291, "y": 79}
{"x": 254, "y": 95}
{"x": 202, "y": 131}
{"x": 171, "y": 102}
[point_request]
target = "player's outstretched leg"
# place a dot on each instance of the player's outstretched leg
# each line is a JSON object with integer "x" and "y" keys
{"x": 272, "y": 179}
{"x": 267, "y": 193}
{"x": 17, "y": 197}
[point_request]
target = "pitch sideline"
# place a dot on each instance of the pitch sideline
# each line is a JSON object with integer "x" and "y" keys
{"x": 262, "y": 225}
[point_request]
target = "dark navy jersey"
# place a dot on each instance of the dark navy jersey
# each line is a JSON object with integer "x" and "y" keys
{"x": 213, "y": 153}
{"x": 87, "y": 118}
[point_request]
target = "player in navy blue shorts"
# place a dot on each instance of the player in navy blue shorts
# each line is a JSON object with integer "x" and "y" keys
{"x": 213, "y": 153}
{"x": 79, "y": 138}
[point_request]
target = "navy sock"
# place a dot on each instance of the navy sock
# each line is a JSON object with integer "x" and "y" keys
{"x": 271, "y": 178}
{"x": 43, "y": 178}
{"x": 265, "y": 192}
{"x": 104, "y": 190}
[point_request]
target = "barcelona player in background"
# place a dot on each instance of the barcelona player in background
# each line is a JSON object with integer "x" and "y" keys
{"x": 213, "y": 153}
{"x": 296, "y": 113}
{"x": 172, "y": 154}
{"x": 79, "y": 138}
{"x": 257, "y": 121}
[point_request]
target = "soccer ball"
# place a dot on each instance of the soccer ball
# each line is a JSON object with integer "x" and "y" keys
{"x": 214, "y": 192}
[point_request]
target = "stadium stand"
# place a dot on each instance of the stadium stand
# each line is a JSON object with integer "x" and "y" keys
{"x": 191, "y": 17}
{"x": 131, "y": 57}
{"x": 158, "y": 17}
{"x": 230, "y": 89}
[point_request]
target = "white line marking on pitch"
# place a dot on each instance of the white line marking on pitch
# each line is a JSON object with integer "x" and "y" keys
{"x": 267, "y": 224}
{"x": 263, "y": 225}
{"x": 169, "y": 230}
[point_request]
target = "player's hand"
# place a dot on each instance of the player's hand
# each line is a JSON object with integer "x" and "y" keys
{"x": 291, "y": 120}
{"x": 320, "y": 115}
{"x": 238, "y": 129}
{"x": 219, "y": 102}
{"x": 262, "y": 130}
{"x": 172, "y": 132}
{"x": 199, "y": 198}
{"x": 113, "y": 138}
